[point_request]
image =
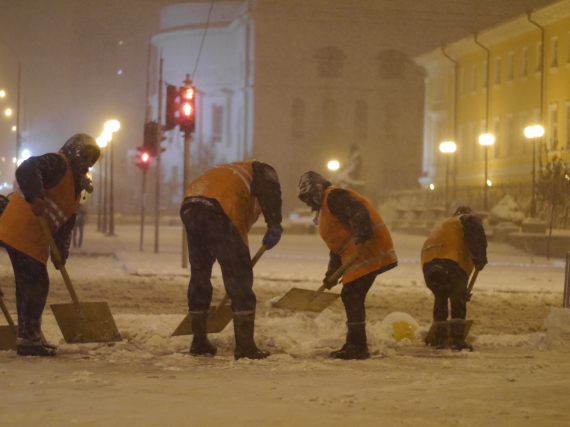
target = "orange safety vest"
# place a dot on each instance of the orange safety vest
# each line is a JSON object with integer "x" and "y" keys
{"x": 230, "y": 185}
{"x": 21, "y": 229}
{"x": 340, "y": 240}
{"x": 446, "y": 241}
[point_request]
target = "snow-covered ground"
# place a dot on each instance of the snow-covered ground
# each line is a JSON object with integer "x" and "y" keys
{"x": 519, "y": 374}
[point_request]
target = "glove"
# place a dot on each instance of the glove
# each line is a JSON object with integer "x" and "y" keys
{"x": 57, "y": 264}
{"x": 38, "y": 206}
{"x": 326, "y": 282}
{"x": 272, "y": 236}
{"x": 363, "y": 247}
{"x": 479, "y": 267}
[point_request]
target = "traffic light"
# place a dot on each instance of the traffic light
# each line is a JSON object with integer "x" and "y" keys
{"x": 150, "y": 138}
{"x": 143, "y": 158}
{"x": 187, "y": 110}
{"x": 172, "y": 105}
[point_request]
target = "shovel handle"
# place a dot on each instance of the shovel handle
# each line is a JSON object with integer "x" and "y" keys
{"x": 332, "y": 279}
{"x": 62, "y": 269}
{"x": 254, "y": 260}
{"x": 472, "y": 281}
{"x": 8, "y": 317}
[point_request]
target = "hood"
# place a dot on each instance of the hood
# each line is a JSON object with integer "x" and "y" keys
{"x": 311, "y": 188}
{"x": 76, "y": 149}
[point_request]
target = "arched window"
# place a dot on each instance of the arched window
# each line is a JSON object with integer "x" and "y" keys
{"x": 360, "y": 120}
{"x": 298, "y": 118}
{"x": 330, "y": 62}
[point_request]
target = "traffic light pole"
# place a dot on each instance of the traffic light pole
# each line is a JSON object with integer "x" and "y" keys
{"x": 158, "y": 169}
{"x": 143, "y": 203}
{"x": 112, "y": 196}
{"x": 186, "y": 182}
{"x": 104, "y": 229}
{"x": 100, "y": 204}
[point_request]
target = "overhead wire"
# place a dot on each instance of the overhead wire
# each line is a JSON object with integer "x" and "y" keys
{"x": 203, "y": 38}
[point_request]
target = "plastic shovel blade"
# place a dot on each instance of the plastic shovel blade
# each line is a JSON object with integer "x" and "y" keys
{"x": 98, "y": 325}
{"x": 430, "y": 337}
{"x": 217, "y": 321}
{"x": 302, "y": 299}
{"x": 7, "y": 338}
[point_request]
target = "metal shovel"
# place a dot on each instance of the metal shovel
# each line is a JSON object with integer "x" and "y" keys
{"x": 317, "y": 301}
{"x": 8, "y": 333}
{"x": 80, "y": 322}
{"x": 220, "y": 315}
{"x": 430, "y": 337}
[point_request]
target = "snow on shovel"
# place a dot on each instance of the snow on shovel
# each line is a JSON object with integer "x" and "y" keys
{"x": 220, "y": 315}
{"x": 8, "y": 333}
{"x": 430, "y": 337}
{"x": 80, "y": 322}
{"x": 317, "y": 301}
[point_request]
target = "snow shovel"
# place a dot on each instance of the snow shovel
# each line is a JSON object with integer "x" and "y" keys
{"x": 220, "y": 315}
{"x": 317, "y": 301}
{"x": 430, "y": 337}
{"x": 8, "y": 333}
{"x": 81, "y": 322}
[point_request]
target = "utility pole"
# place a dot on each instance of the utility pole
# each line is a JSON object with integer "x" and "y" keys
{"x": 187, "y": 124}
{"x": 143, "y": 203}
{"x": 158, "y": 153}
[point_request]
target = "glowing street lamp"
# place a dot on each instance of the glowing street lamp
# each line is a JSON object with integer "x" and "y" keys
{"x": 448, "y": 148}
{"x": 333, "y": 165}
{"x": 8, "y": 112}
{"x": 2, "y": 93}
{"x": 486, "y": 140}
{"x": 533, "y": 133}
{"x": 14, "y": 128}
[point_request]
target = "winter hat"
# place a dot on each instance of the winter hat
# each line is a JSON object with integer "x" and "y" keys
{"x": 463, "y": 210}
{"x": 75, "y": 149}
{"x": 311, "y": 187}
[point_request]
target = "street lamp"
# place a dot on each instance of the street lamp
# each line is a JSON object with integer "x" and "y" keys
{"x": 333, "y": 165}
{"x": 102, "y": 143}
{"x": 486, "y": 140}
{"x": 448, "y": 148}
{"x": 2, "y": 93}
{"x": 533, "y": 133}
{"x": 112, "y": 126}
{"x": 8, "y": 112}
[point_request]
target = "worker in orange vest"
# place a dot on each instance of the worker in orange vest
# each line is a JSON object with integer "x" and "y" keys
{"x": 348, "y": 223}
{"x": 218, "y": 211}
{"x": 49, "y": 185}
{"x": 449, "y": 255}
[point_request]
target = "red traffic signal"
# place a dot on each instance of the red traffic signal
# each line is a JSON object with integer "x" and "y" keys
{"x": 143, "y": 158}
{"x": 187, "y": 110}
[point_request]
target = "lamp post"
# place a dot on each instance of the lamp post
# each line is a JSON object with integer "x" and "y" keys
{"x": 112, "y": 126}
{"x": 448, "y": 148}
{"x": 102, "y": 143}
{"x": 533, "y": 133}
{"x": 486, "y": 140}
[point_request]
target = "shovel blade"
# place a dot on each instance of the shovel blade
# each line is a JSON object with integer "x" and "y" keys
{"x": 217, "y": 321}
{"x": 98, "y": 326}
{"x": 430, "y": 337}
{"x": 7, "y": 338}
{"x": 302, "y": 299}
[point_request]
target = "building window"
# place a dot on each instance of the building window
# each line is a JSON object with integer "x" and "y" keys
{"x": 329, "y": 118}
{"x": 509, "y": 131}
{"x": 360, "y": 120}
{"x": 553, "y": 126}
{"x": 298, "y": 118}
{"x": 330, "y": 62}
{"x": 567, "y": 125}
{"x": 497, "y": 134}
{"x": 472, "y": 140}
{"x": 524, "y": 62}
{"x": 511, "y": 71}
{"x": 217, "y": 123}
{"x": 474, "y": 79}
{"x": 522, "y": 140}
{"x": 485, "y": 75}
{"x": 393, "y": 64}
{"x": 462, "y": 149}
{"x": 554, "y": 53}
{"x": 538, "y": 58}
{"x": 482, "y": 129}
{"x": 498, "y": 71}
{"x": 462, "y": 82}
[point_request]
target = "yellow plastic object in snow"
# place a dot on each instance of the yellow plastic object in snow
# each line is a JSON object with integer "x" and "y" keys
{"x": 403, "y": 330}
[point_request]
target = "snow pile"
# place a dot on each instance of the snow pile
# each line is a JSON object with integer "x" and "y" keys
{"x": 558, "y": 328}
{"x": 507, "y": 210}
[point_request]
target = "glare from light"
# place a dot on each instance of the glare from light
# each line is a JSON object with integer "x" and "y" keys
{"x": 107, "y": 135}
{"x": 432, "y": 187}
{"x": 486, "y": 139}
{"x": 144, "y": 157}
{"x": 120, "y": 72}
{"x": 529, "y": 131}
{"x": 538, "y": 131}
{"x": 101, "y": 142}
{"x": 14, "y": 160}
{"x": 2, "y": 93}
{"x": 189, "y": 93}
{"x": 489, "y": 183}
{"x": 26, "y": 154}
{"x": 447, "y": 147}
{"x": 535, "y": 131}
{"x": 187, "y": 109}
{"x": 333, "y": 165}
{"x": 112, "y": 126}
{"x": 14, "y": 128}
{"x": 8, "y": 112}
{"x": 19, "y": 162}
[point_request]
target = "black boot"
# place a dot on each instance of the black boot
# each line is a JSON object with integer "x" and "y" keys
{"x": 356, "y": 348}
{"x": 344, "y": 347}
{"x": 201, "y": 346}
{"x": 26, "y": 347}
{"x": 244, "y": 325}
{"x": 440, "y": 329}
{"x": 457, "y": 330}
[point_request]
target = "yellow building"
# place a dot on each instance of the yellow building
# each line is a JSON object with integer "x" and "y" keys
{"x": 497, "y": 82}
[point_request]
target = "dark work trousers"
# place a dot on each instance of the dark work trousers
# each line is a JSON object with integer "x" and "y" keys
{"x": 212, "y": 236}
{"x": 32, "y": 287}
{"x": 447, "y": 281}
{"x": 353, "y": 295}
{"x": 78, "y": 230}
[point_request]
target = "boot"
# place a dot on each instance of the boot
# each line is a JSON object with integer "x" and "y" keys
{"x": 201, "y": 346}
{"x": 440, "y": 329}
{"x": 457, "y": 329}
{"x": 244, "y": 325}
{"x": 26, "y": 347}
{"x": 344, "y": 347}
{"x": 356, "y": 348}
